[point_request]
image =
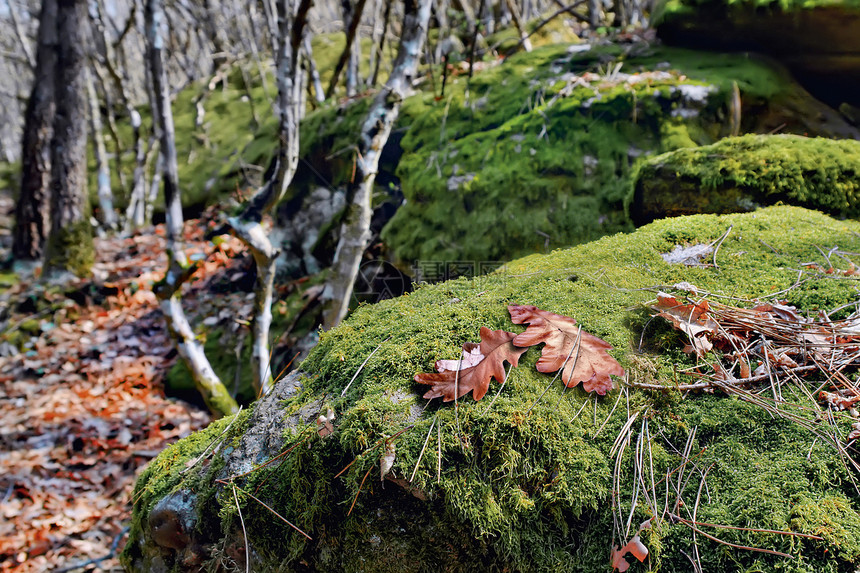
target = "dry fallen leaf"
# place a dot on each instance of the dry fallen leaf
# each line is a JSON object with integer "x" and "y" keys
{"x": 582, "y": 355}
{"x": 495, "y": 348}
{"x": 694, "y": 320}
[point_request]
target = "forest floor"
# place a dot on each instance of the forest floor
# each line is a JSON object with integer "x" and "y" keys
{"x": 82, "y": 402}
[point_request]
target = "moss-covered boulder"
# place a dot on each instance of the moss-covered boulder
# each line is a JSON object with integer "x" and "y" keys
{"x": 531, "y": 478}
{"x": 744, "y": 173}
{"x": 817, "y": 39}
{"x": 537, "y": 152}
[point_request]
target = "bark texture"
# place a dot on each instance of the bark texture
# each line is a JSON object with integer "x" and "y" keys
{"x": 105, "y": 194}
{"x": 292, "y": 15}
{"x": 169, "y": 289}
{"x": 355, "y": 231}
{"x": 69, "y": 246}
{"x": 353, "y": 16}
{"x": 32, "y": 211}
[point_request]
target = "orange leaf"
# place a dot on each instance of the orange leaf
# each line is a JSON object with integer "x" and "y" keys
{"x": 694, "y": 320}
{"x": 585, "y": 360}
{"x": 482, "y": 362}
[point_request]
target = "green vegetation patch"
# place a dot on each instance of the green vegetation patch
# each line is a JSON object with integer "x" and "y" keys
{"x": 523, "y": 479}
{"x": 667, "y": 10}
{"x": 538, "y": 152}
{"x": 743, "y": 173}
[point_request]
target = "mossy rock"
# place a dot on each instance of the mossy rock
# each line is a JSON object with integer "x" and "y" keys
{"x": 523, "y": 479}
{"x": 744, "y": 173}
{"x": 817, "y": 39}
{"x": 528, "y": 160}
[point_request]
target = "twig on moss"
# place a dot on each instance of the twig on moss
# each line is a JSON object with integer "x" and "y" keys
{"x": 575, "y": 416}
{"x": 439, "y": 451}
{"x": 715, "y": 383}
{"x": 360, "y": 368}
{"x": 719, "y": 243}
{"x": 373, "y": 447}
{"x": 751, "y": 529}
{"x": 244, "y": 532}
{"x": 493, "y": 401}
{"x": 217, "y": 440}
{"x": 424, "y": 447}
{"x": 359, "y": 490}
{"x": 695, "y": 529}
{"x": 255, "y": 498}
{"x": 612, "y": 411}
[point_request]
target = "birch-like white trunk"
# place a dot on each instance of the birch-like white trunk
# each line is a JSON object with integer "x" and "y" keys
{"x": 355, "y": 230}
{"x": 169, "y": 289}
{"x": 308, "y": 53}
{"x": 104, "y": 192}
{"x": 135, "y": 214}
{"x": 518, "y": 23}
{"x": 292, "y": 15}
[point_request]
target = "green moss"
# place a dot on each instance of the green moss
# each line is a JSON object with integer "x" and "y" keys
{"x": 525, "y": 484}
{"x": 666, "y": 10}
{"x": 566, "y": 157}
{"x": 71, "y": 249}
{"x": 741, "y": 173}
{"x": 178, "y": 465}
{"x": 10, "y": 174}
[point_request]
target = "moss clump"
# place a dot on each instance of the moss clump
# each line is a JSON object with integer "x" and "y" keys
{"x": 666, "y": 10}
{"x": 744, "y": 173}
{"x": 526, "y": 159}
{"x": 524, "y": 483}
{"x": 71, "y": 249}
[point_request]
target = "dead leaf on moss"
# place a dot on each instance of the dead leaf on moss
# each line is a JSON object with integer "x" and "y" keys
{"x": 693, "y": 319}
{"x": 585, "y": 361}
{"x": 494, "y": 349}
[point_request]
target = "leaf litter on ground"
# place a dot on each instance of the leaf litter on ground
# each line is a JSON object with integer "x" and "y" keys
{"x": 83, "y": 404}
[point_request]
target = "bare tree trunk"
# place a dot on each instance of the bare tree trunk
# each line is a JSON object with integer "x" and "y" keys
{"x": 353, "y": 16}
{"x": 518, "y": 22}
{"x": 355, "y": 231}
{"x": 69, "y": 248}
{"x": 155, "y": 181}
{"x": 135, "y": 215}
{"x": 375, "y": 30}
{"x": 21, "y": 36}
{"x": 104, "y": 192}
{"x": 594, "y": 13}
{"x": 378, "y": 45}
{"x": 308, "y": 54}
{"x": 292, "y": 15}
{"x": 352, "y": 66}
{"x": 468, "y": 13}
{"x": 168, "y": 290}
{"x": 103, "y": 63}
{"x": 32, "y": 211}
{"x": 215, "y": 33}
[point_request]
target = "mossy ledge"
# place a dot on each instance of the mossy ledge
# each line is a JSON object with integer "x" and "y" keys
{"x": 501, "y": 487}
{"x": 743, "y": 173}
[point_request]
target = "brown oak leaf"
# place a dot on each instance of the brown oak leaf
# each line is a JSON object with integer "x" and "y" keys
{"x": 454, "y": 377}
{"x": 584, "y": 361}
{"x": 694, "y": 320}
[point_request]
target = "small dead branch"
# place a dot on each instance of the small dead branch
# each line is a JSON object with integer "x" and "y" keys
{"x": 244, "y": 532}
